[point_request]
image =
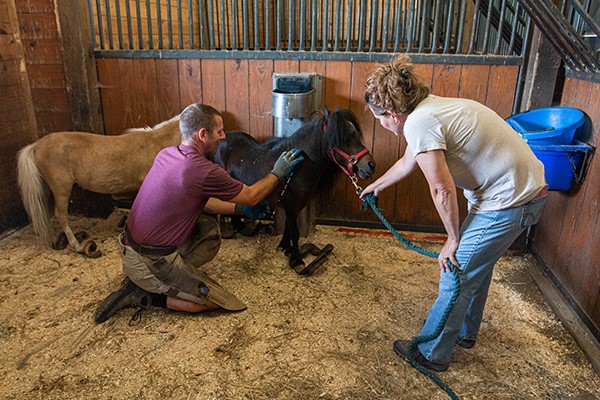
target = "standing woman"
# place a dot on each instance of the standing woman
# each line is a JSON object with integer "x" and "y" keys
{"x": 458, "y": 143}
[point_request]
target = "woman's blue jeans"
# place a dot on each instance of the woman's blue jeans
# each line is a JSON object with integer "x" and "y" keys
{"x": 484, "y": 238}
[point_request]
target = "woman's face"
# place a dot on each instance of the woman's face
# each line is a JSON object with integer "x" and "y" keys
{"x": 390, "y": 121}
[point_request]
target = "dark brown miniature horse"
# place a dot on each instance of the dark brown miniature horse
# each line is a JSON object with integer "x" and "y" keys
{"x": 330, "y": 144}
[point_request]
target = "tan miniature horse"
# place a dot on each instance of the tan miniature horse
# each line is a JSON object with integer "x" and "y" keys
{"x": 99, "y": 163}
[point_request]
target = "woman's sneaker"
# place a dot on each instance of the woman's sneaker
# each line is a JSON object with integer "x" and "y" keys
{"x": 128, "y": 296}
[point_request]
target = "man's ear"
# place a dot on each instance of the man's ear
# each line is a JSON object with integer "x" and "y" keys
{"x": 201, "y": 134}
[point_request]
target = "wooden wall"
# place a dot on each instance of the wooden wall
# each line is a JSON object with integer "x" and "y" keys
{"x": 139, "y": 92}
{"x": 567, "y": 238}
{"x": 17, "y": 120}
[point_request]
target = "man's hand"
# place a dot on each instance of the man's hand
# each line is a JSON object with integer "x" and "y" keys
{"x": 286, "y": 163}
{"x": 257, "y": 212}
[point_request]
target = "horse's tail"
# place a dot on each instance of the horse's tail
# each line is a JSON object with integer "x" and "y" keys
{"x": 34, "y": 194}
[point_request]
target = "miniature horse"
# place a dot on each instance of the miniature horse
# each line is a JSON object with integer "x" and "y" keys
{"x": 99, "y": 163}
{"x": 330, "y": 144}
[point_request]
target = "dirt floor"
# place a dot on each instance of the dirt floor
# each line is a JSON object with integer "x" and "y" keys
{"x": 327, "y": 336}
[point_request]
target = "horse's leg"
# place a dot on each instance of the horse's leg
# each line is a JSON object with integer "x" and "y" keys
{"x": 61, "y": 213}
{"x": 291, "y": 227}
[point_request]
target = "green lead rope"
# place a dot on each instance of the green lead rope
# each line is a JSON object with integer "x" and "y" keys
{"x": 370, "y": 200}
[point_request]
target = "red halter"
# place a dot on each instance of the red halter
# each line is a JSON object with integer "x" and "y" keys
{"x": 351, "y": 160}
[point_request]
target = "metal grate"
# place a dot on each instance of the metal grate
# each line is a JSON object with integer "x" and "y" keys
{"x": 456, "y": 27}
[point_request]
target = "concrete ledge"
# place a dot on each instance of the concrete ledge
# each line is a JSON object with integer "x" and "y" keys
{"x": 582, "y": 335}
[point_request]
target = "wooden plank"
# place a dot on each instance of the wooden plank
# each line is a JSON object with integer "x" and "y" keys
{"x": 571, "y": 213}
{"x": 35, "y": 6}
{"x": 53, "y": 121}
{"x": 144, "y": 89}
{"x": 213, "y": 84}
{"x": 474, "y": 82}
{"x": 112, "y": 107}
{"x": 413, "y": 192}
{"x": 190, "y": 82}
{"x": 42, "y": 51}
{"x": 168, "y": 93}
{"x": 260, "y": 83}
{"x": 38, "y": 26}
{"x": 49, "y": 76}
{"x": 237, "y": 102}
{"x": 336, "y": 90}
{"x": 359, "y": 74}
{"x": 50, "y": 100}
{"x": 11, "y": 48}
{"x": 501, "y": 89}
{"x": 126, "y": 89}
{"x": 286, "y": 66}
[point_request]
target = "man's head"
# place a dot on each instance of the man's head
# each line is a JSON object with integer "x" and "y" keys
{"x": 395, "y": 88}
{"x": 201, "y": 124}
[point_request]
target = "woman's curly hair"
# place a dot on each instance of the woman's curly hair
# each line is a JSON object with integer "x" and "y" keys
{"x": 395, "y": 87}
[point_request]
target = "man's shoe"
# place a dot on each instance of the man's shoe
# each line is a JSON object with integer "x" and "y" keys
{"x": 128, "y": 296}
{"x": 465, "y": 343}
{"x": 401, "y": 348}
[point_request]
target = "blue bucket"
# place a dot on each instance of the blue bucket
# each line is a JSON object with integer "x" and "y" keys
{"x": 553, "y": 125}
{"x": 563, "y": 164}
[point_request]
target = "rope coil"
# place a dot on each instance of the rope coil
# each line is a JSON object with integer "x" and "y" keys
{"x": 370, "y": 200}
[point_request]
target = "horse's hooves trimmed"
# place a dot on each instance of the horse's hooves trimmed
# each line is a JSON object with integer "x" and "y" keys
{"x": 81, "y": 236}
{"x": 61, "y": 242}
{"x": 91, "y": 250}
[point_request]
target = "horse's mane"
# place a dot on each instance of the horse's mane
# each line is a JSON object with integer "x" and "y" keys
{"x": 155, "y": 127}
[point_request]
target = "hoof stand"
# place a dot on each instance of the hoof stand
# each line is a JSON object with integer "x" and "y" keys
{"x": 320, "y": 258}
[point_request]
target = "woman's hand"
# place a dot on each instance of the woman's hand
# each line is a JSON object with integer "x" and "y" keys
{"x": 448, "y": 254}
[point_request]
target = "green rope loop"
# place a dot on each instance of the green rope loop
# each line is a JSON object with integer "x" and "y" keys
{"x": 370, "y": 200}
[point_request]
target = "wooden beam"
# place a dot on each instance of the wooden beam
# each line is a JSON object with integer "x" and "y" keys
{"x": 80, "y": 65}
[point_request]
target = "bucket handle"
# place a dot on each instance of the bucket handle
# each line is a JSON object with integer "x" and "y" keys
{"x": 578, "y": 174}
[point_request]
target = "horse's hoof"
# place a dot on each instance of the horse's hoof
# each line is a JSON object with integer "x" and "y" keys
{"x": 81, "y": 236}
{"x": 61, "y": 242}
{"x": 91, "y": 250}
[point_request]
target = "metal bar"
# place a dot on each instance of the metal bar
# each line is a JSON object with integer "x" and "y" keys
{"x": 522, "y": 71}
{"x": 246, "y": 24}
{"x": 234, "y": 35}
{"x": 179, "y": 25}
{"x": 325, "y": 24}
{"x": 349, "y": 26}
{"x": 424, "y": 17}
{"x": 267, "y": 25}
{"x": 201, "y": 23}
{"x": 513, "y": 33}
{"x": 338, "y": 16}
{"x": 138, "y": 13}
{"x": 361, "y": 24}
{"x": 386, "y": 21}
{"x": 149, "y": 16}
{"x": 488, "y": 24}
{"x": 109, "y": 25}
{"x": 290, "y": 24}
{"x": 170, "y": 24}
{"x": 211, "y": 25}
{"x": 586, "y": 17}
{"x": 461, "y": 27}
{"x": 223, "y": 27}
{"x": 373, "y": 32}
{"x": 313, "y": 26}
{"x": 307, "y": 55}
{"x": 302, "y": 24}
{"x": 412, "y": 24}
{"x": 159, "y": 23}
{"x": 449, "y": 22}
{"x": 474, "y": 28}
{"x": 500, "y": 26}
{"x": 256, "y": 26}
{"x": 119, "y": 28}
{"x": 191, "y": 24}
{"x": 129, "y": 31}
{"x": 92, "y": 28}
{"x": 397, "y": 32}
{"x": 278, "y": 27}
{"x": 436, "y": 26}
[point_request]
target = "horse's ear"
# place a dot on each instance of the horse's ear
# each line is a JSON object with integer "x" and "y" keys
{"x": 326, "y": 112}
